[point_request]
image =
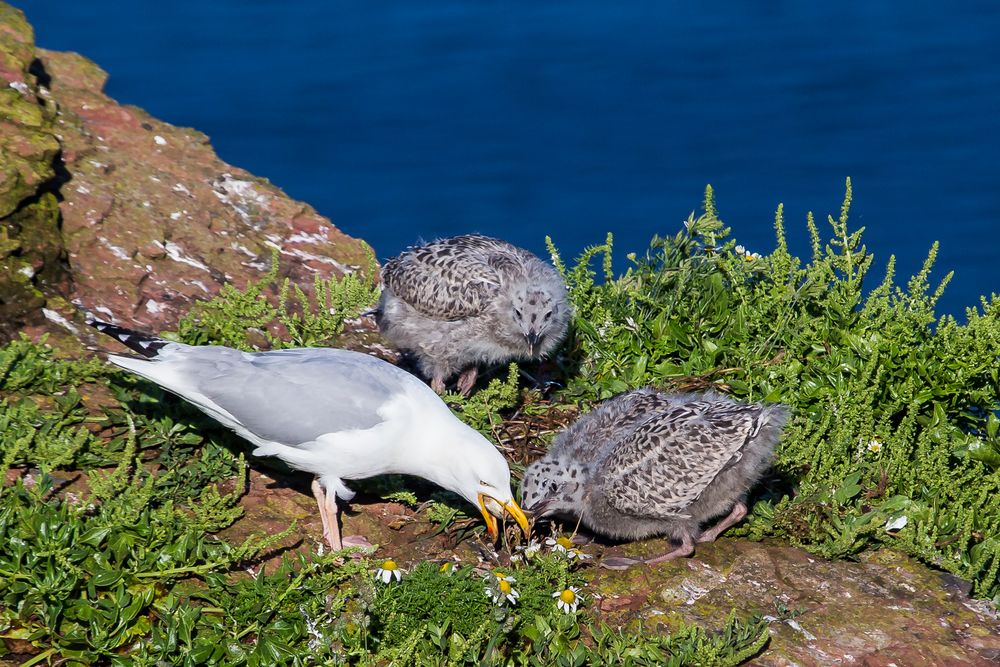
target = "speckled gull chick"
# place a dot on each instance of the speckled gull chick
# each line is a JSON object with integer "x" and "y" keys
{"x": 469, "y": 300}
{"x": 648, "y": 463}
{"x": 338, "y": 414}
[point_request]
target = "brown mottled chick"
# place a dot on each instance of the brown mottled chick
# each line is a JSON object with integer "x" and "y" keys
{"x": 471, "y": 300}
{"x": 649, "y": 463}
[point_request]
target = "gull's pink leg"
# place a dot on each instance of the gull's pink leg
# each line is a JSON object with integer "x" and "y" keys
{"x": 328, "y": 513}
{"x": 327, "y": 503}
{"x": 333, "y": 537}
{"x": 320, "y": 496}
{"x": 739, "y": 511}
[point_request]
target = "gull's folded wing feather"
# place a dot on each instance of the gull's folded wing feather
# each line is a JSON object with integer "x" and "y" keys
{"x": 286, "y": 396}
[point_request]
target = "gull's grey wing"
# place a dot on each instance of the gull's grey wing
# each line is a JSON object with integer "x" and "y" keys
{"x": 450, "y": 279}
{"x": 670, "y": 459}
{"x": 293, "y": 396}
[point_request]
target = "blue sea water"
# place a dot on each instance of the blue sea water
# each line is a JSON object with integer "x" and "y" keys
{"x": 410, "y": 120}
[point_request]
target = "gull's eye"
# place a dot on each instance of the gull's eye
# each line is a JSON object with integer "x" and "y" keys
{"x": 487, "y": 484}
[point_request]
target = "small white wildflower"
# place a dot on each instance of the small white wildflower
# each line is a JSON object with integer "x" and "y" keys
{"x": 530, "y": 549}
{"x": 976, "y": 444}
{"x": 875, "y": 446}
{"x": 559, "y": 544}
{"x": 568, "y": 600}
{"x": 160, "y": 141}
{"x": 746, "y": 254}
{"x": 898, "y": 523}
{"x": 388, "y": 571}
{"x": 564, "y": 546}
{"x": 501, "y": 590}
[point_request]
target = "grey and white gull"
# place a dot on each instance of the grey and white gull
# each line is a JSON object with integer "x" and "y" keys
{"x": 471, "y": 300}
{"x": 337, "y": 414}
{"x": 648, "y": 463}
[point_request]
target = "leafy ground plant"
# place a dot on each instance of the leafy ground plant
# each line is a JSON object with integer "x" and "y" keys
{"x": 110, "y": 513}
{"x": 110, "y": 547}
{"x": 894, "y": 440}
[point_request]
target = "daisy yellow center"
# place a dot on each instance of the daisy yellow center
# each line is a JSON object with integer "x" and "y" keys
{"x": 568, "y": 596}
{"x": 504, "y": 586}
{"x": 389, "y": 565}
{"x": 565, "y": 542}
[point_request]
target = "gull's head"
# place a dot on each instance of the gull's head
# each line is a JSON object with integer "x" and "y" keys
{"x": 474, "y": 469}
{"x": 554, "y": 486}
{"x": 539, "y": 314}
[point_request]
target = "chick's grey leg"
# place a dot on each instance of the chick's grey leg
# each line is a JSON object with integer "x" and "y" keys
{"x": 684, "y": 550}
{"x": 619, "y": 563}
{"x": 739, "y": 511}
{"x": 467, "y": 380}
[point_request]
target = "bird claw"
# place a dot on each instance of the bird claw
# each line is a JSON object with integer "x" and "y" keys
{"x": 619, "y": 563}
{"x": 357, "y": 541}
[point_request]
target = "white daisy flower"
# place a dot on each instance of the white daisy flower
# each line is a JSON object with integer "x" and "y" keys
{"x": 530, "y": 549}
{"x": 568, "y": 600}
{"x": 875, "y": 446}
{"x": 564, "y": 546}
{"x": 388, "y": 572}
{"x": 746, "y": 254}
{"x": 559, "y": 544}
{"x": 501, "y": 591}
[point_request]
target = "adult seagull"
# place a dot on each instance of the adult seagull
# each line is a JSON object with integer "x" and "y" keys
{"x": 338, "y": 414}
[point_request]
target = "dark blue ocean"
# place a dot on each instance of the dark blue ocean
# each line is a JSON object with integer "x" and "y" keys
{"x": 410, "y": 120}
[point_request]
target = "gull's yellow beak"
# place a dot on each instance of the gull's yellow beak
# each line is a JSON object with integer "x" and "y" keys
{"x": 492, "y": 508}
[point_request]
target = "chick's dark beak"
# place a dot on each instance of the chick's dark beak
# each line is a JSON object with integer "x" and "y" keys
{"x": 533, "y": 338}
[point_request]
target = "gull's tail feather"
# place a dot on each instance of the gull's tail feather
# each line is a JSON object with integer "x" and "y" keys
{"x": 145, "y": 344}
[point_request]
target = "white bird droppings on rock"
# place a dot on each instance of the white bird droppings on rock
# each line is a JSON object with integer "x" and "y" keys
{"x": 175, "y": 253}
{"x": 53, "y": 316}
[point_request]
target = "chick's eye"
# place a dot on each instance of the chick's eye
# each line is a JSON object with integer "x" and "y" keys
{"x": 517, "y": 313}
{"x": 548, "y": 316}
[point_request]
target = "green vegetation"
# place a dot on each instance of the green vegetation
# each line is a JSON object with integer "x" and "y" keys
{"x": 894, "y": 440}
{"x": 114, "y": 500}
{"x": 113, "y": 514}
{"x": 247, "y": 319}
